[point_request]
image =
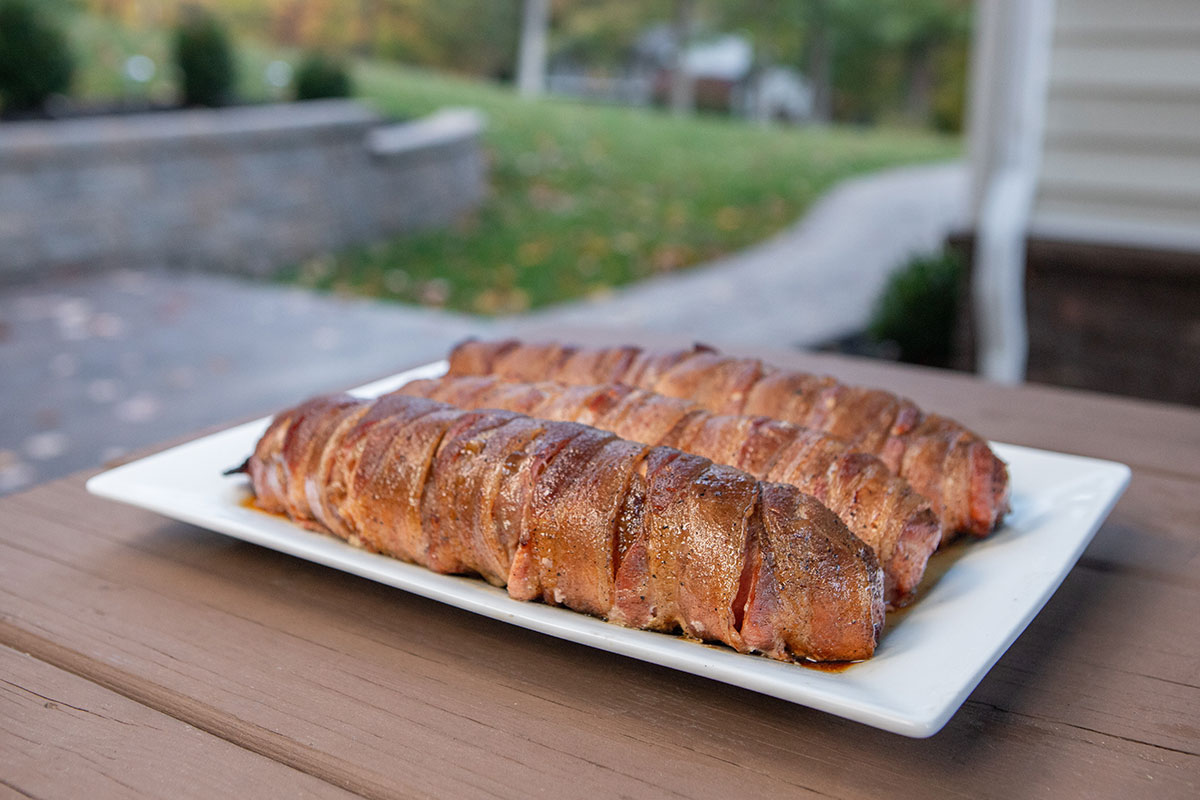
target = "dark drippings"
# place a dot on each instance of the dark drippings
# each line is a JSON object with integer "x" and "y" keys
{"x": 828, "y": 666}
{"x": 250, "y": 501}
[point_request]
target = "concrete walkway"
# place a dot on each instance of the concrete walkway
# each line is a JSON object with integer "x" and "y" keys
{"x": 93, "y": 367}
{"x": 812, "y": 282}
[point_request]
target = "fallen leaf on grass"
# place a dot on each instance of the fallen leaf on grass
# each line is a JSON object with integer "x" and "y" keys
{"x": 729, "y": 218}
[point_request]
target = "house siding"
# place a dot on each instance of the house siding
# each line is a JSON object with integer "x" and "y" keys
{"x": 1121, "y": 151}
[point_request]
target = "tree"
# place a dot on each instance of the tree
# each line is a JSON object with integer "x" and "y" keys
{"x": 797, "y": 32}
{"x": 928, "y": 27}
{"x": 891, "y": 56}
{"x": 204, "y": 56}
{"x": 819, "y": 46}
{"x": 683, "y": 22}
{"x": 35, "y": 59}
{"x": 531, "y": 64}
{"x": 864, "y": 59}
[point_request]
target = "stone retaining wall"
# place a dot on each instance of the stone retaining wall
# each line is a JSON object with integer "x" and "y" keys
{"x": 241, "y": 189}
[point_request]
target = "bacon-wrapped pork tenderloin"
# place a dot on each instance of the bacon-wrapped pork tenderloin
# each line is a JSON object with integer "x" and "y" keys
{"x": 951, "y": 466}
{"x": 878, "y": 507}
{"x": 647, "y": 537}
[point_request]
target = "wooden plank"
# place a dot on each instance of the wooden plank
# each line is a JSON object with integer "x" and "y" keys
{"x": 60, "y": 734}
{"x": 326, "y": 671}
{"x": 170, "y": 614}
{"x": 1080, "y": 664}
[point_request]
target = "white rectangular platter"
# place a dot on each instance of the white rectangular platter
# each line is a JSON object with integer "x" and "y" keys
{"x": 928, "y": 661}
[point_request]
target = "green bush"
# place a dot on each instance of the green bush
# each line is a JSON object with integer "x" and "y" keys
{"x": 204, "y": 56}
{"x": 321, "y": 76}
{"x": 919, "y": 307}
{"x": 35, "y": 60}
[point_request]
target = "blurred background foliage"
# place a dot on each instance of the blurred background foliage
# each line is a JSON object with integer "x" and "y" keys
{"x": 918, "y": 309}
{"x": 321, "y": 75}
{"x": 35, "y": 57}
{"x": 882, "y": 60}
{"x": 583, "y": 198}
{"x": 204, "y": 56}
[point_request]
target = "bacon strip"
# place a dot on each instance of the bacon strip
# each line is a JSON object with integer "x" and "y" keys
{"x": 647, "y": 537}
{"x": 948, "y": 464}
{"x": 877, "y": 507}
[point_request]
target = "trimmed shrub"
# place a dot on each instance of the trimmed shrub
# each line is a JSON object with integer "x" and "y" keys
{"x": 204, "y": 56}
{"x": 35, "y": 59}
{"x": 320, "y": 76}
{"x": 919, "y": 308}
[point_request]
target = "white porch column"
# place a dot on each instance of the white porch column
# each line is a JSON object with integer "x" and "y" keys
{"x": 1011, "y": 66}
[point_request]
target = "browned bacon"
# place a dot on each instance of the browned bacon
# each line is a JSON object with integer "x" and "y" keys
{"x": 878, "y": 507}
{"x": 647, "y": 537}
{"x": 948, "y": 464}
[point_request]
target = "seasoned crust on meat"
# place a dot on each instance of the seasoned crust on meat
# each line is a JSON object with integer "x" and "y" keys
{"x": 878, "y": 507}
{"x": 557, "y": 511}
{"x": 948, "y": 464}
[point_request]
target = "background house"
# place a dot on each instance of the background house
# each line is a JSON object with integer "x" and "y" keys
{"x": 725, "y": 73}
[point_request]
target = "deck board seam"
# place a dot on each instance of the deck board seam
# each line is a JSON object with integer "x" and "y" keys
{"x": 1105, "y": 566}
{"x": 1047, "y": 720}
{"x": 260, "y": 741}
{"x": 18, "y": 790}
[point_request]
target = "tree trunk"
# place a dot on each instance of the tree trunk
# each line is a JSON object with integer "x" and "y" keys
{"x": 820, "y": 62}
{"x": 531, "y": 65}
{"x": 920, "y": 85}
{"x": 368, "y": 22}
{"x": 287, "y": 23}
{"x": 683, "y": 96}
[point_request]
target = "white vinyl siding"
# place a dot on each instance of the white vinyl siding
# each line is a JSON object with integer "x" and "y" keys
{"x": 1121, "y": 152}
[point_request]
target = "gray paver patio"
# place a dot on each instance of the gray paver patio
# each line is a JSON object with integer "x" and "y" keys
{"x": 92, "y": 367}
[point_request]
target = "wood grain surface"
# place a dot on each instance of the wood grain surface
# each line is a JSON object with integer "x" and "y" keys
{"x": 298, "y": 668}
{"x": 60, "y": 733}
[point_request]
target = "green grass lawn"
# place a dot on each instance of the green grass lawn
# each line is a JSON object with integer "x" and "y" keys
{"x": 585, "y": 198}
{"x": 582, "y": 198}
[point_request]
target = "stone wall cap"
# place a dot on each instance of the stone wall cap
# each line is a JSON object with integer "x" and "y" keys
{"x": 444, "y": 127}
{"x": 269, "y": 120}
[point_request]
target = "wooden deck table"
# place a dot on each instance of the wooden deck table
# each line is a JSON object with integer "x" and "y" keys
{"x": 142, "y": 656}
